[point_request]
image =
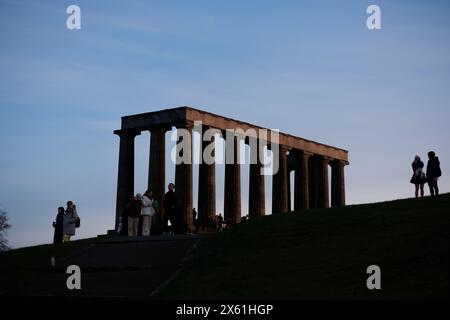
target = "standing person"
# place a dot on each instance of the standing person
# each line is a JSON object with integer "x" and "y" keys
{"x": 418, "y": 178}
{"x": 133, "y": 212}
{"x": 58, "y": 225}
{"x": 70, "y": 221}
{"x": 147, "y": 212}
{"x": 195, "y": 220}
{"x": 220, "y": 222}
{"x": 433, "y": 173}
{"x": 170, "y": 208}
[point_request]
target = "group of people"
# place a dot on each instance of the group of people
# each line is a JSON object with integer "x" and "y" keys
{"x": 141, "y": 207}
{"x": 142, "y": 212}
{"x": 431, "y": 176}
{"x": 138, "y": 216}
{"x": 214, "y": 223}
{"x": 67, "y": 221}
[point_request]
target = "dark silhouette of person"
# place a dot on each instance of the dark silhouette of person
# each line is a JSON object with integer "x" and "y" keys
{"x": 418, "y": 178}
{"x": 134, "y": 213}
{"x": 58, "y": 225}
{"x": 195, "y": 220}
{"x": 220, "y": 222}
{"x": 433, "y": 173}
{"x": 171, "y": 209}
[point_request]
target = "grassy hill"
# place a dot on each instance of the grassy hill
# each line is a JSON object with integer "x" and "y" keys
{"x": 20, "y": 267}
{"x": 313, "y": 254}
{"x": 324, "y": 253}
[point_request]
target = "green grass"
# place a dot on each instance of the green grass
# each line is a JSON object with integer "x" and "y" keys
{"x": 21, "y": 266}
{"x": 324, "y": 253}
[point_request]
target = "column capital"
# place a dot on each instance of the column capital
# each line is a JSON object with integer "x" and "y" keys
{"x": 159, "y": 128}
{"x": 340, "y": 163}
{"x": 186, "y": 125}
{"x": 127, "y": 132}
{"x": 327, "y": 160}
{"x": 285, "y": 148}
{"x": 299, "y": 152}
{"x": 261, "y": 142}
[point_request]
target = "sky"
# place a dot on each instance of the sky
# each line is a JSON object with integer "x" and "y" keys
{"x": 309, "y": 68}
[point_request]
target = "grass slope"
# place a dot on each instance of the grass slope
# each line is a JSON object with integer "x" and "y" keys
{"x": 19, "y": 267}
{"x": 324, "y": 253}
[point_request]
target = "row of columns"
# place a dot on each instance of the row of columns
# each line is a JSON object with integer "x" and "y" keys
{"x": 311, "y": 188}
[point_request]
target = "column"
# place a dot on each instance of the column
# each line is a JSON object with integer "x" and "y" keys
{"x": 289, "y": 189}
{"x": 232, "y": 198}
{"x": 183, "y": 173}
{"x": 301, "y": 184}
{"x": 313, "y": 181}
{"x": 337, "y": 183}
{"x": 279, "y": 184}
{"x": 256, "y": 197}
{"x": 206, "y": 183}
{"x": 324, "y": 198}
{"x": 125, "y": 177}
{"x": 157, "y": 168}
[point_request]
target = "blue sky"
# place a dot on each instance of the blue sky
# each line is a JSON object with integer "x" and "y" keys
{"x": 309, "y": 68}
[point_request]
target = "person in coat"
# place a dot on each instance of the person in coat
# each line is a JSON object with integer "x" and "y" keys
{"x": 70, "y": 220}
{"x": 433, "y": 173}
{"x": 147, "y": 212}
{"x": 418, "y": 178}
{"x": 133, "y": 212}
{"x": 170, "y": 209}
{"x": 58, "y": 225}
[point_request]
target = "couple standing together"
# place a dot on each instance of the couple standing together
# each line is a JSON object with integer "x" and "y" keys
{"x": 144, "y": 208}
{"x": 141, "y": 206}
{"x": 66, "y": 223}
{"x": 432, "y": 175}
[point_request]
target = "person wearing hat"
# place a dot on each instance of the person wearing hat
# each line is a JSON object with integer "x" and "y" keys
{"x": 147, "y": 212}
{"x": 133, "y": 212}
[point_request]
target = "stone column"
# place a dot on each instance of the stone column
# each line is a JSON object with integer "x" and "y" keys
{"x": 289, "y": 189}
{"x": 183, "y": 175}
{"x": 125, "y": 177}
{"x": 324, "y": 198}
{"x": 206, "y": 184}
{"x": 337, "y": 183}
{"x": 232, "y": 197}
{"x": 279, "y": 185}
{"x": 301, "y": 185}
{"x": 256, "y": 197}
{"x": 157, "y": 168}
{"x": 313, "y": 181}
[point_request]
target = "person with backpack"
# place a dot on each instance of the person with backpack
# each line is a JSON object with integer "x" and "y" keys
{"x": 71, "y": 221}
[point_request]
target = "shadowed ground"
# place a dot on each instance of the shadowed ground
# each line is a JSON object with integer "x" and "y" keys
{"x": 324, "y": 253}
{"x": 313, "y": 254}
{"x": 116, "y": 267}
